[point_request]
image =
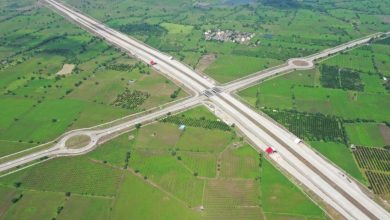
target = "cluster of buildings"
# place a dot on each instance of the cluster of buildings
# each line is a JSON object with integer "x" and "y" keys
{"x": 229, "y": 36}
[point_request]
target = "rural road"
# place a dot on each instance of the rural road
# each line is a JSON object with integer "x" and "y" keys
{"x": 298, "y": 159}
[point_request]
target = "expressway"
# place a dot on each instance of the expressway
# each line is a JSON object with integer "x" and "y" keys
{"x": 60, "y": 149}
{"x": 303, "y": 63}
{"x": 297, "y": 159}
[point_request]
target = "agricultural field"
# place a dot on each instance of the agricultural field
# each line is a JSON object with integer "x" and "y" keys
{"x": 375, "y": 164}
{"x": 56, "y": 77}
{"x": 340, "y": 103}
{"x": 281, "y": 30}
{"x": 149, "y": 173}
{"x": 368, "y": 134}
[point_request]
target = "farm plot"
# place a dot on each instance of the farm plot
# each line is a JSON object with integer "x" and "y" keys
{"x": 373, "y": 158}
{"x": 365, "y": 134}
{"x": 309, "y": 126}
{"x": 227, "y": 68}
{"x": 243, "y": 162}
{"x": 196, "y": 122}
{"x": 232, "y": 199}
{"x": 339, "y": 78}
{"x": 115, "y": 152}
{"x": 41, "y": 102}
{"x": 167, "y": 171}
{"x": 78, "y": 175}
{"x": 139, "y": 200}
{"x": 36, "y": 205}
{"x": 6, "y": 196}
{"x": 380, "y": 182}
{"x": 86, "y": 207}
{"x": 341, "y": 155}
{"x": 131, "y": 99}
{"x": 281, "y": 198}
{"x": 375, "y": 162}
{"x": 200, "y": 163}
{"x": 215, "y": 141}
{"x": 222, "y": 180}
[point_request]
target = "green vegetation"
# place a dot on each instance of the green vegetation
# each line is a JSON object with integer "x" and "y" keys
{"x": 283, "y": 29}
{"x": 341, "y": 156}
{"x": 158, "y": 172}
{"x": 281, "y": 196}
{"x": 334, "y": 77}
{"x": 35, "y": 205}
{"x": 78, "y": 141}
{"x": 131, "y": 99}
{"x": 177, "y": 28}
{"x": 342, "y": 101}
{"x": 365, "y": 134}
{"x": 39, "y": 102}
{"x": 228, "y": 68}
{"x": 79, "y": 175}
{"x": 137, "y": 199}
{"x": 309, "y": 126}
{"x": 375, "y": 164}
{"x": 196, "y": 122}
{"x": 76, "y": 207}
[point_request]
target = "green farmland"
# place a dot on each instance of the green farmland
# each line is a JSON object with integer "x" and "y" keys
{"x": 343, "y": 110}
{"x": 281, "y": 30}
{"x": 161, "y": 178}
{"x": 57, "y": 79}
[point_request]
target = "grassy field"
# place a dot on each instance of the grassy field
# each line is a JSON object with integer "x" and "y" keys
{"x": 93, "y": 179}
{"x": 75, "y": 208}
{"x": 36, "y": 205}
{"x": 228, "y": 68}
{"x": 281, "y": 196}
{"x": 281, "y": 30}
{"x": 341, "y": 156}
{"x": 38, "y": 104}
{"x": 130, "y": 177}
{"x": 358, "y": 103}
{"x": 365, "y": 134}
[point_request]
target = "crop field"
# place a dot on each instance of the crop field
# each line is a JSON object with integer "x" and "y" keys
{"x": 92, "y": 179}
{"x": 274, "y": 187}
{"x": 366, "y": 134}
{"x": 342, "y": 101}
{"x": 310, "y": 126}
{"x": 375, "y": 164}
{"x": 341, "y": 155}
{"x": 243, "y": 162}
{"x": 196, "y": 122}
{"x": 280, "y": 30}
{"x": 334, "y": 77}
{"x": 56, "y": 77}
{"x": 75, "y": 208}
{"x": 222, "y": 197}
{"x": 36, "y": 205}
{"x": 129, "y": 177}
{"x": 302, "y": 91}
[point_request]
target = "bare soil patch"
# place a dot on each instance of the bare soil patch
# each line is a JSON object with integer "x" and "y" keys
{"x": 205, "y": 61}
{"x": 386, "y": 19}
{"x": 300, "y": 63}
{"x": 385, "y": 132}
{"x": 66, "y": 69}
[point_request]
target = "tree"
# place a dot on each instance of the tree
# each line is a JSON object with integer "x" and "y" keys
{"x": 17, "y": 184}
{"x": 138, "y": 126}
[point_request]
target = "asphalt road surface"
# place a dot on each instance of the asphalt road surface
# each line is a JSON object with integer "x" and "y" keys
{"x": 315, "y": 173}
